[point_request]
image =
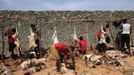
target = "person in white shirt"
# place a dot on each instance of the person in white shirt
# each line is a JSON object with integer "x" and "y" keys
{"x": 126, "y": 30}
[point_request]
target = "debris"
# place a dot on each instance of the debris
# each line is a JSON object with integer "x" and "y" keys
{"x": 91, "y": 60}
{"x": 63, "y": 68}
{"x": 87, "y": 56}
{"x": 6, "y": 69}
{"x": 92, "y": 57}
{"x": 114, "y": 53}
{"x": 70, "y": 66}
{"x": 34, "y": 65}
{"x": 85, "y": 73}
{"x": 37, "y": 67}
{"x": 30, "y": 54}
{"x": 25, "y": 64}
{"x": 112, "y": 57}
{"x": 37, "y": 61}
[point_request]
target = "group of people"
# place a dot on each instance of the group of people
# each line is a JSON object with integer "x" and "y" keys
{"x": 124, "y": 40}
{"x": 13, "y": 41}
{"x": 61, "y": 51}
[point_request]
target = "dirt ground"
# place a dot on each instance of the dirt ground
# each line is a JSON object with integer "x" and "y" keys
{"x": 80, "y": 67}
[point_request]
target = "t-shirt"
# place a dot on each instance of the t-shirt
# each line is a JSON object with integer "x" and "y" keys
{"x": 62, "y": 48}
{"x": 10, "y": 40}
{"x": 99, "y": 35}
{"x": 9, "y": 32}
{"x": 83, "y": 45}
{"x": 126, "y": 28}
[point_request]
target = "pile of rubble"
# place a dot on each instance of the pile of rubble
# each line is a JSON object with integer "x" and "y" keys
{"x": 6, "y": 70}
{"x": 33, "y": 65}
{"x": 112, "y": 57}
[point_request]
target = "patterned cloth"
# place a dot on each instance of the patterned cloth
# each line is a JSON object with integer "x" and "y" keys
{"x": 58, "y": 48}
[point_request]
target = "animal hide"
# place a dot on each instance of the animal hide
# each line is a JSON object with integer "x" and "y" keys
{"x": 54, "y": 37}
{"x": 32, "y": 40}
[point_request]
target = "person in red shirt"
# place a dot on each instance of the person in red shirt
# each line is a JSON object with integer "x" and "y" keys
{"x": 60, "y": 52}
{"x": 62, "y": 48}
{"x": 63, "y": 51}
{"x": 9, "y": 33}
{"x": 82, "y": 45}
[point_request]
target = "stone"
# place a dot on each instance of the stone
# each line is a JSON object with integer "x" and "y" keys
{"x": 49, "y": 19}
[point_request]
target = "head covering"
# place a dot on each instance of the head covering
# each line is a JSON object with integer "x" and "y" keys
{"x": 54, "y": 53}
{"x": 13, "y": 26}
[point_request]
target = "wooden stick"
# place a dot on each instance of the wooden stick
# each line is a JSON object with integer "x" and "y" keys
{"x": 3, "y": 41}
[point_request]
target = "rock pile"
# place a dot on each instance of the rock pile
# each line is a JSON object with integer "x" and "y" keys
{"x": 109, "y": 58}
{"x": 34, "y": 65}
{"x": 7, "y": 70}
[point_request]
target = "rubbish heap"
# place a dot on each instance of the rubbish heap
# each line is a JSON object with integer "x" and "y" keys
{"x": 112, "y": 57}
{"x": 33, "y": 65}
{"x": 6, "y": 70}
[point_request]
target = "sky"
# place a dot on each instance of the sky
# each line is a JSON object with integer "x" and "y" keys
{"x": 42, "y": 5}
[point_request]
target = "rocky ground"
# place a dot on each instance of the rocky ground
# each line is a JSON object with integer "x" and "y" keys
{"x": 49, "y": 67}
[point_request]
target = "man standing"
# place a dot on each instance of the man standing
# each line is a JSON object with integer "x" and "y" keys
{"x": 125, "y": 35}
{"x": 9, "y": 33}
{"x": 102, "y": 39}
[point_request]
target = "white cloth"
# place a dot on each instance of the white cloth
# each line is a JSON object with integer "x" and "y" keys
{"x": 32, "y": 40}
{"x": 126, "y": 28}
{"x": 55, "y": 38}
{"x": 75, "y": 35}
{"x": 102, "y": 38}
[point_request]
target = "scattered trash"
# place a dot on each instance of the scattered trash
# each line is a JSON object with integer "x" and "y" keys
{"x": 34, "y": 65}
{"x": 7, "y": 69}
{"x": 114, "y": 54}
{"x": 110, "y": 58}
{"x": 91, "y": 60}
{"x": 63, "y": 68}
{"x": 30, "y": 54}
{"x": 114, "y": 58}
{"x": 85, "y": 73}
{"x": 25, "y": 64}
